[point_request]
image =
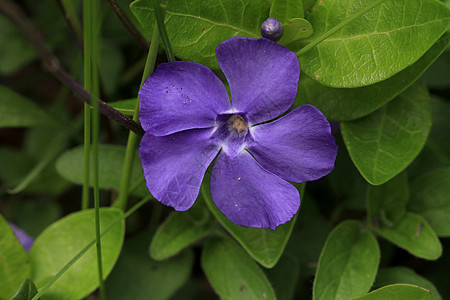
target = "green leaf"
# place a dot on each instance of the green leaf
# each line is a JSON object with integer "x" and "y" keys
{"x": 26, "y": 291}
{"x": 125, "y": 106}
{"x": 385, "y": 142}
{"x": 137, "y": 276}
{"x": 374, "y": 46}
{"x": 285, "y": 10}
{"x": 18, "y": 111}
{"x": 232, "y": 273}
{"x": 70, "y": 166}
{"x": 195, "y": 29}
{"x": 430, "y": 198}
{"x": 63, "y": 240}
{"x": 295, "y": 29}
{"x": 387, "y": 203}
{"x": 263, "y": 245}
{"x": 14, "y": 264}
{"x": 413, "y": 233}
{"x": 348, "y": 263}
{"x": 179, "y": 231}
{"x": 349, "y": 104}
{"x": 399, "y": 291}
{"x": 394, "y": 275}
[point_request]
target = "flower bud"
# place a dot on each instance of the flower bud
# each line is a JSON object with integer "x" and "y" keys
{"x": 272, "y": 29}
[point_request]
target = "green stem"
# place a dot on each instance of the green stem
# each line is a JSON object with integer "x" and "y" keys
{"x": 132, "y": 137}
{"x": 337, "y": 27}
{"x": 87, "y": 108}
{"x": 89, "y": 246}
{"x": 91, "y": 10}
{"x": 162, "y": 30}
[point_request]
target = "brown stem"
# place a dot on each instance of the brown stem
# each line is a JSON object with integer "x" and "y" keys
{"x": 128, "y": 24}
{"x": 52, "y": 65}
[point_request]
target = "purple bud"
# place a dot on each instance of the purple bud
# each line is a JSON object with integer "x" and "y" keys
{"x": 272, "y": 29}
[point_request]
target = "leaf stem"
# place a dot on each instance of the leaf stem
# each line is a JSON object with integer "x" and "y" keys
{"x": 337, "y": 27}
{"x": 132, "y": 137}
{"x": 89, "y": 246}
{"x": 162, "y": 30}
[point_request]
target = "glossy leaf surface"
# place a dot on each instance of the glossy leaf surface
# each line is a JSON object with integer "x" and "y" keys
{"x": 399, "y": 291}
{"x": 62, "y": 240}
{"x": 348, "y": 263}
{"x": 385, "y": 142}
{"x": 180, "y": 230}
{"x": 376, "y": 45}
{"x": 415, "y": 235}
{"x": 394, "y": 275}
{"x": 14, "y": 264}
{"x": 196, "y": 28}
{"x": 346, "y": 104}
{"x": 232, "y": 273}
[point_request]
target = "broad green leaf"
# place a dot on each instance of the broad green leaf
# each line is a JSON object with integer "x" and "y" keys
{"x": 137, "y": 276}
{"x": 18, "y": 111}
{"x": 349, "y": 104}
{"x": 413, "y": 233}
{"x": 14, "y": 264}
{"x": 195, "y": 29}
{"x": 394, "y": 275}
{"x": 26, "y": 291}
{"x": 399, "y": 291}
{"x": 125, "y": 106}
{"x": 295, "y": 29}
{"x": 180, "y": 230}
{"x": 70, "y": 166}
{"x": 374, "y": 46}
{"x": 385, "y": 142}
{"x": 284, "y": 277}
{"x": 430, "y": 197}
{"x": 264, "y": 245}
{"x": 386, "y": 203}
{"x": 348, "y": 263}
{"x": 63, "y": 240}
{"x": 15, "y": 50}
{"x": 232, "y": 273}
{"x": 286, "y": 10}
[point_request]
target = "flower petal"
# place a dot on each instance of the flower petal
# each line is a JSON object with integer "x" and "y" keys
{"x": 181, "y": 95}
{"x": 174, "y": 165}
{"x": 297, "y": 147}
{"x": 249, "y": 195}
{"x": 262, "y": 74}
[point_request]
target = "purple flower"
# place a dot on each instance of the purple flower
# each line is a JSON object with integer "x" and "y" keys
{"x": 189, "y": 120}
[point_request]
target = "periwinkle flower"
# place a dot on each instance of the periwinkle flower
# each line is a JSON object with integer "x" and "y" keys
{"x": 189, "y": 120}
{"x": 272, "y": 29}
